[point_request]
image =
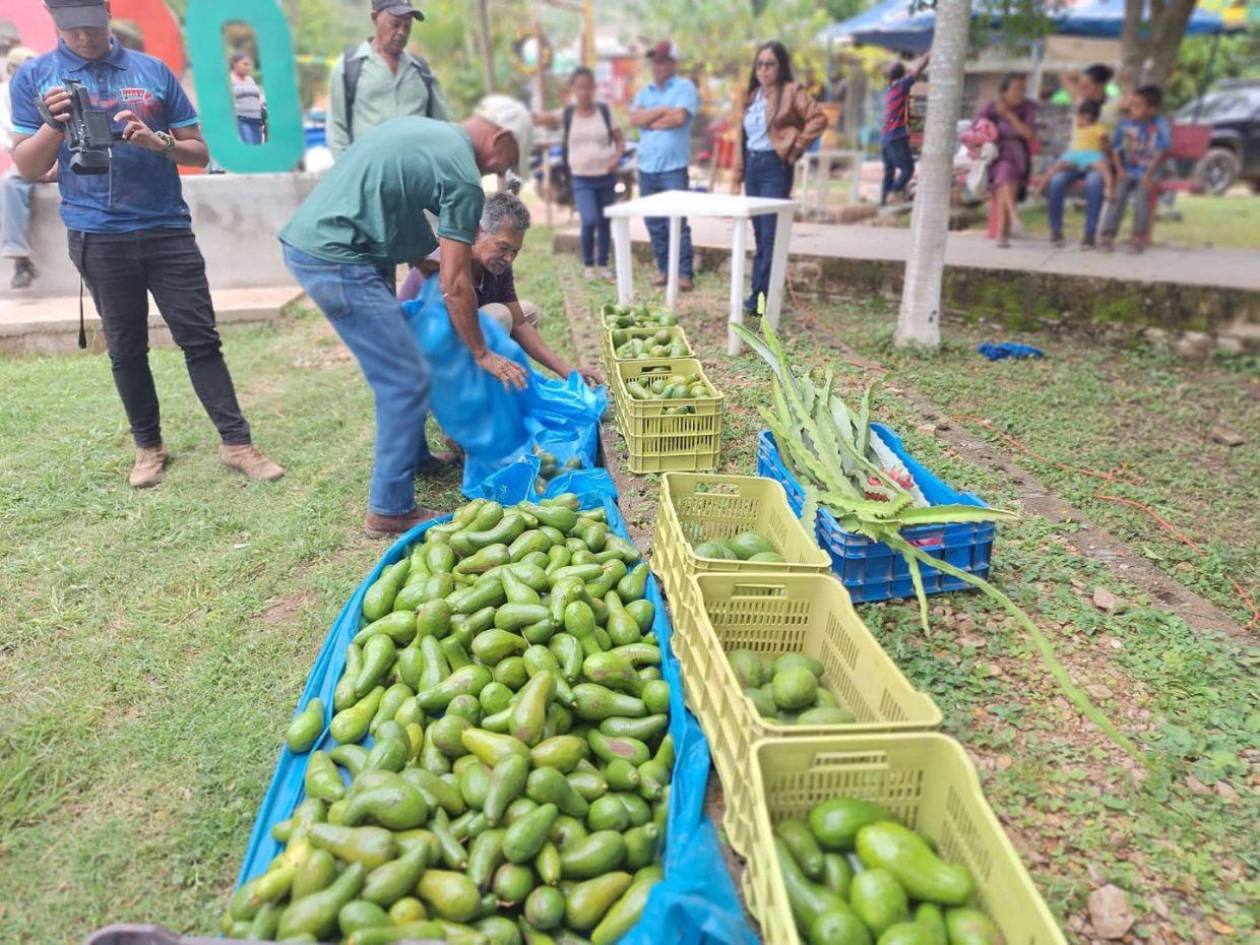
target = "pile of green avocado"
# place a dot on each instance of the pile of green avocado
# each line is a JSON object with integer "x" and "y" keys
{"x": 635, "y": 316}
{"x": 787, "y": 688}
{"x": 634, "y": 344}
{"x": 549, "y": 467}
{"x": 669, "y": 386}
{"x": 518, "y": 780}
{"x": 855, "y": 876}
{"x": 746, "y": 546}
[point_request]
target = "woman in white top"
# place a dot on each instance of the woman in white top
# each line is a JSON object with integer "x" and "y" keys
{"x": 593, "y": 146}
{"x": 248, "y": 98}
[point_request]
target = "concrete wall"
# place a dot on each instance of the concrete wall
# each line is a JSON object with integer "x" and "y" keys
{"x": 235, "y": 216}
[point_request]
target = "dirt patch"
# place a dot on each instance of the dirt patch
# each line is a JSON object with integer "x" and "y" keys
{"x": 284, "y": 609}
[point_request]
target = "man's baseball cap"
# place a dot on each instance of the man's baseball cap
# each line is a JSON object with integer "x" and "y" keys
{"x": 510, "y": 115}
{"x": 664, "y": 50}
{"x": 397, "y": 8}
{"x": 77, "y": 14}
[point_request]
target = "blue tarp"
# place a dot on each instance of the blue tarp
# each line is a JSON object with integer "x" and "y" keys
{"x": 891, "y": 24}
{"x": 497, "y": 426}
{"x": 696, "y": 904}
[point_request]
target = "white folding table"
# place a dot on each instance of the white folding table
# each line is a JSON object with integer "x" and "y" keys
{"x": 822, "y": 161}
{"x": 676, "y": 204}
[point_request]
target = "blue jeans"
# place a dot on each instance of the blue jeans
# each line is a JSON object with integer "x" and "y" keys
{"x": 359, "y": 302}
{"x": 1056, "y": 194}
{"x": 15, "y": 215}
{"x": 898, "y": 166}
{"x": 250, "y": 130}
{"x": 591, "y": 195}
{"x": 765, "y": 175}
{"x": 658, "y": 227}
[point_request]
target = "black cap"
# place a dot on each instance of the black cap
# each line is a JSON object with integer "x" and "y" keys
{"x": 76, "y": 14}
{"x": 396, "y": 7}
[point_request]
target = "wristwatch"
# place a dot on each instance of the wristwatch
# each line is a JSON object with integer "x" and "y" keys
{"x": 168, "y": 142}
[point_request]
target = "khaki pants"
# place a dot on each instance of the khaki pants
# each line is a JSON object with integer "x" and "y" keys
{"x": 501, "y": 314}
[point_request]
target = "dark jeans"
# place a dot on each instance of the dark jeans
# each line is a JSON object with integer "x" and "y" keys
{"x": 898, "y": 166}
{"x": 1056, "y": 196}
{"x": 765, "y": 175}
{"x": 120, "y": 269}
{"x": 250, "y": 130}
{"x": 591, "y": 195}
{"x": 658, "y": 227}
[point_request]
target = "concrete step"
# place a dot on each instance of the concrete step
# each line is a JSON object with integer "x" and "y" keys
{"x": 51, "y": 325}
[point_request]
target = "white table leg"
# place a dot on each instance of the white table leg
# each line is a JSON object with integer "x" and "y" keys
{"x": 778, "y": 265}
{"x": 855, "y": 182}
{"x": 804, "y": 178}
{"x": 675, "y": 254}
{"x": 624, "y": 258}
{"x": 739, "y": 253}
{"x": 824, "y": 181}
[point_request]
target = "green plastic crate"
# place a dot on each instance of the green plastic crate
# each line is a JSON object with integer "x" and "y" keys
{"x": 783, "y": 613}
{"x": 928, "y": 782}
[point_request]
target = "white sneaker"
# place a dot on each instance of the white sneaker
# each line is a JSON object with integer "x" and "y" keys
{"x": 607, "y": 275}
{"x": 589, "y": 274}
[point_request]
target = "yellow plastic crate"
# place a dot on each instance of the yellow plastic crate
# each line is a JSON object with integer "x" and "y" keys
{"x": 928, "y": 782}
{"x": 609, "y": 351}
{"x": 698, "y": 507}
{"x": 783, "y": 613}
{"x": 657, "y": 442}
{"x": 648, "y": 417}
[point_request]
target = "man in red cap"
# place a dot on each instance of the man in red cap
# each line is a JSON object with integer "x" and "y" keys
{"x": 380, "y": 80}
{"x": 664, "y": 112}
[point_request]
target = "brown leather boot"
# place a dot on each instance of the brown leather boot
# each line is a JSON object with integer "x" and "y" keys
{"x": 387, "y": 526}
{"x": 150, "y": 467}
{"x": 250, "y": 461}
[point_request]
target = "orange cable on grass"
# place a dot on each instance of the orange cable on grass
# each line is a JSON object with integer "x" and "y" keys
{"x": 1189, "y": 543}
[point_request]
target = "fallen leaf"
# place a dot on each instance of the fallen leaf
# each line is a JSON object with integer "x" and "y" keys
{"x": 1107, "y": 602}
{"x": 1226, "y": 792}
{"x": 1109, "y": 911}
{"x": 1196, "y": 786}
{"x": 1220, "y": 927}
{"x": 1158, "y": 904}
{"x": 1226, "y": 437}
{"x": 1098, "y": 691}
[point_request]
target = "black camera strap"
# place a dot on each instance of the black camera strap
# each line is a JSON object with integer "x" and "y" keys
{"x": 82, "y": 263}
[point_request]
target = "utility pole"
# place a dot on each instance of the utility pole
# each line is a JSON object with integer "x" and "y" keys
{"x": 487, "y": 45}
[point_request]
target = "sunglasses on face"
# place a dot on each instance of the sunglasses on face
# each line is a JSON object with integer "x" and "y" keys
{"x": 767, "y": 63}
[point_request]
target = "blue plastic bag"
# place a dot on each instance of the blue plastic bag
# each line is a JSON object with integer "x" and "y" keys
{"x": 497, "y": 426}
{"x": 1009, "y": 349}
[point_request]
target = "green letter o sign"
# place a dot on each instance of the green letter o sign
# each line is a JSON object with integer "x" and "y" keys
{"x": 204, "y": 25}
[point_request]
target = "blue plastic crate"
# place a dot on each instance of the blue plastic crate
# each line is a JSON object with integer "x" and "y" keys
{"x": 870, "y": 570}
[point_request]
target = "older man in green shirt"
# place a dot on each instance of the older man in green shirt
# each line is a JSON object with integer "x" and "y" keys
{"x": 380, "y": 80}
{"x": 344, "y": 244}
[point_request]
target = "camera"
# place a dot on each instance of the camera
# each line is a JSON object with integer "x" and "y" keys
{"x": 88, "y": 133}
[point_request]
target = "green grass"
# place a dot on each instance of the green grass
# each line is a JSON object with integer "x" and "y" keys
{"x": 1078, "y": 813}
{"x": 153, "y": 644}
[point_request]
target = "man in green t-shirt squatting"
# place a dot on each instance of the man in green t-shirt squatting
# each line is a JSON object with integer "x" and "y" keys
{"x": 344, "y": 244}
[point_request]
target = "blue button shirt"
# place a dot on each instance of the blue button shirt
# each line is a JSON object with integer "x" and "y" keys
{"x": 142, "y": 190}
{"x": 755, "y": 124}
{"x": 670, "y": 148}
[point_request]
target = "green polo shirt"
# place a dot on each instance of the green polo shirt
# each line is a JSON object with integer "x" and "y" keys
{"x": 379, "y": 95}
{"x": 369, "y": 208}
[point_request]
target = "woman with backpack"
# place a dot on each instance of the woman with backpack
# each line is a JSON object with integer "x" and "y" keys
{"x": 593, "y": 147}
{"x": 778, "y": 121}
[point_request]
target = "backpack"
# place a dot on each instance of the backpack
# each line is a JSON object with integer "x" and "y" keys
{"x": 568, "y": 125}
{"x": 352, "y": 71}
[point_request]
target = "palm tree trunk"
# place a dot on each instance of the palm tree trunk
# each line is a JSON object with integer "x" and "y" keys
{"x": 919, "y": 324}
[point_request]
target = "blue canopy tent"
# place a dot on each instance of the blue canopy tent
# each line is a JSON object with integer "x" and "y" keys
{"x": 891, "y": 24}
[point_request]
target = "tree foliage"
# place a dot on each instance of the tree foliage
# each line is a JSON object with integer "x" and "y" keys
{"x": 719, "y": 36}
